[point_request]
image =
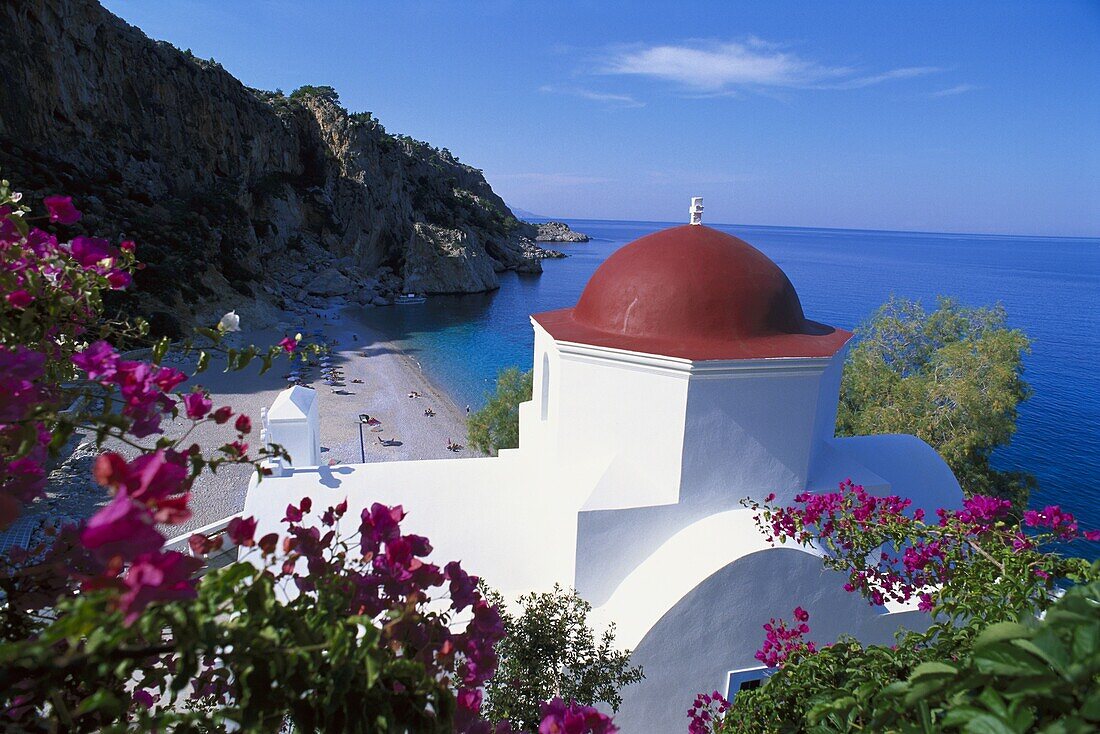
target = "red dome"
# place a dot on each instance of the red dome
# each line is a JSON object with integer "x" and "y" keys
{"x": 696, "y": 293}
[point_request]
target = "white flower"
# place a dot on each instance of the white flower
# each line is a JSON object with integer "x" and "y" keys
{"x": 17, "y": 197}
{"x": 298, "y": 337}
{"x": 230, "y": 322}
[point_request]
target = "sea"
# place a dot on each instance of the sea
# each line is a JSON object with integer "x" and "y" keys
{"x": 1049, "y": 286}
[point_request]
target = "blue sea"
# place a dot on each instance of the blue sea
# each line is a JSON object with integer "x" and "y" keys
{"x": 1050, "y": 287}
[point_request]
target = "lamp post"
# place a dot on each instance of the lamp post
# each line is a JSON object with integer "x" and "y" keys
{"x": 363, "y": 418}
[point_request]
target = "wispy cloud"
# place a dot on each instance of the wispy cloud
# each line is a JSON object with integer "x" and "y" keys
{"x": 723, "y": 67}
{"x": 952, "y": 91}
{"x": 613, "y": 100}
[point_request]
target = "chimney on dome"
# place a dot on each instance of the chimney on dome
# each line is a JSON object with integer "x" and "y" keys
{"x": 696, "y": 210}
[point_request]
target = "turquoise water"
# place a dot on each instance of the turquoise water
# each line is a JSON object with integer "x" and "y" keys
{"x": 1050, "y": 287}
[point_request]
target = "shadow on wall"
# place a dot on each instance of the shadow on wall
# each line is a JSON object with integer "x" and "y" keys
{"x": 328, "y": 474}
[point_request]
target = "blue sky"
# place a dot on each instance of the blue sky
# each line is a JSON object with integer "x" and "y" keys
{"x": 954, "y": 116}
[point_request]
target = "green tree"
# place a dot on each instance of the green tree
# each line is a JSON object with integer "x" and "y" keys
{"x": 309, "y": 90}
{"x": 496, "y": 426}
{"x": 952, "y": 376}
{"x": 550, "y": 650}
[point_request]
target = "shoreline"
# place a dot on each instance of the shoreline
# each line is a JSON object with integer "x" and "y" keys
{"x": 387, "y": 377}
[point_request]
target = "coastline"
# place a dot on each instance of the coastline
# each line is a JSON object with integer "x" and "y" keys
{"x": 388, "y": 375}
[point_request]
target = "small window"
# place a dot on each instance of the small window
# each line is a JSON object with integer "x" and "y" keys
{"x": 746, "y": 679}
{"x": 545, "y": 399}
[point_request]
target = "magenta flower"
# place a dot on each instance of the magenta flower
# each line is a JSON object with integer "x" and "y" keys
{"x": 61, "y": 209}
{"x": 925, "y": 604}
{"x": 573, "y": 718}
{"x": 241, "y": 530}
{"x": 99, "y": 360}
{"x": 222, "y": 414}
{"x": 243, "y": 424}
{"x": 288, "y": 344}
{"x": 19, "y": 299}
{"x": 157, "y": 577}
{"x": 122, "y": 528}
{"x": 118, "y": 279}
{"x": 197, "y": 405}
{"x": 463, "y": 586}
{"x": 90, "y": 251}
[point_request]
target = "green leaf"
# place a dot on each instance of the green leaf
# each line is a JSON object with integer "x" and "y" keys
{"x": 999, "y": 632}
{"x": 988, "y": 724}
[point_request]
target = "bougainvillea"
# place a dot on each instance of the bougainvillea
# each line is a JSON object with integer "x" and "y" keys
{"x": 103, "y": 628}
{"x": 979, "y": 572}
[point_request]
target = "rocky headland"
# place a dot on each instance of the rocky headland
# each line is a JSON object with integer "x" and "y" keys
{"x": 238, "y": 198}
{"x": 558, "y": 232}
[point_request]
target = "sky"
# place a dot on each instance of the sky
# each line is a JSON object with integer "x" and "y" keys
{"x": 934, "y": 116}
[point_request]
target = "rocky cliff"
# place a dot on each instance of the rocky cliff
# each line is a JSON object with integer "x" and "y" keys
{"x": 236, "y": 197}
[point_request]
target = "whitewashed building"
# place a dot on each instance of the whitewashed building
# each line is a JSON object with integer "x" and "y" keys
{"x": 685, "y": 379}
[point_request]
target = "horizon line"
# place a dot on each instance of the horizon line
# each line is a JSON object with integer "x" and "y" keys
{"x": 1093, "y": 237}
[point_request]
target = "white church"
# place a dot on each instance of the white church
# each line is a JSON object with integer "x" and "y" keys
{"x": 684, "y": 379}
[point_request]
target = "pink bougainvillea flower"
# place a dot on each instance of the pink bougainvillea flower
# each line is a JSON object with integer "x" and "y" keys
{"x": 243, "y": 424}
{"x": 19, "y": 299}
{"x": 201, "y": 544}
{"x": 99, "y": 360}
{"x": 288, "y": 344}
{"x": 90, "y": 251}
{"x": 240, "y": 530}
{"x": 61, "y": 209}
{"x": 157, "y": 577}
{"x": 127, "y": 245}
{"x": 573, "y": 718}
{"x": 295, "y": 514}
{"x": 172, "y": 510}
{"x": 222, "y": 414}
{"x": 118, "y": 279}
{"x": 463, "y": 586}
{"x": 122, "y": 528}
{"x": 148, "y": 478}
{"x": 143, "y": 698}
{"x": 197, "y": 405}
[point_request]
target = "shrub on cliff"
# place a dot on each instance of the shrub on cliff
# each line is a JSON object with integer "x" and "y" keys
{"x": 496, "y": 426}
{"x": 308, "y": 90}
{"x": 952, "y": 376}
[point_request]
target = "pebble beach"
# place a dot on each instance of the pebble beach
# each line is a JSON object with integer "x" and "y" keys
{"x": 377, "y": 380}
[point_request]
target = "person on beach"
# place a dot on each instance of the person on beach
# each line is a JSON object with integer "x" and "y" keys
{"x": 467, "y": 411}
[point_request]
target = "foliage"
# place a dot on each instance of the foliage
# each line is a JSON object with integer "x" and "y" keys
{"x": 550, "y": 650}
{"x": 496, "y": 426}
{"x": 356, "y": 635}
{"x": 104, "y": 629}
{"x": 983, "y": 577}
{"x": 953, "y": 377}
{"x": 308, "y": 90}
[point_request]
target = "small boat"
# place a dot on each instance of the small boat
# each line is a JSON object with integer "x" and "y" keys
{"x": 408, "y": 298}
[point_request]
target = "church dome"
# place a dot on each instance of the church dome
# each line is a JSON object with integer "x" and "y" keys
{"x": 696, "y": 293}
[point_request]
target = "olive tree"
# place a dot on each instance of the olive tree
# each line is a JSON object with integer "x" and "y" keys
{"x": 496, "y": 426}
{"x": 548, "y": 651}
{"x": 952, "y": 376}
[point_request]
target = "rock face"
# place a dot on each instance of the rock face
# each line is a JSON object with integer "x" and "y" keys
{"x": 558, "y": 232}
{"x": 233, "y": 194}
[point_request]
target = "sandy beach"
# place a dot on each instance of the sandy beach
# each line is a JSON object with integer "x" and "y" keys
{"x": 387, "y": 377}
